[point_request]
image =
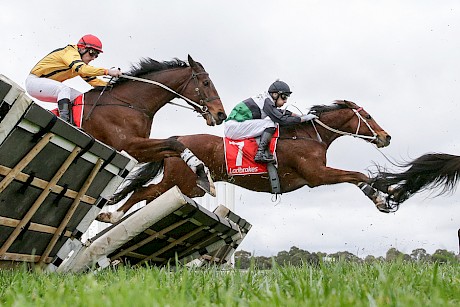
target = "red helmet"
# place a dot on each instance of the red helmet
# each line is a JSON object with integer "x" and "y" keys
{"x": 90, "y": 41}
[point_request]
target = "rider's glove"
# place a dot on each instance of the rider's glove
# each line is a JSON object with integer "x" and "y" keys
{"x": 307, "y": 117}
{"x": 114, "y": 72}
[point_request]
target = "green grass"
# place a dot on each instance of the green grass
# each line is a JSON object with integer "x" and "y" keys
{"x": 331, "y": 284}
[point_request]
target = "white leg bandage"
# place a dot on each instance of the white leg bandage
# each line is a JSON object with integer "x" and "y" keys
{"x": 191, "y": 160}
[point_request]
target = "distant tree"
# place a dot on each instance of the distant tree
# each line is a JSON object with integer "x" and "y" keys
{"x": 370, "y": 259}
{"x": 282, "y": 258}
{"x": 314, "y": 259}
{"x": 420, "y": 255}
{"x": 443, "y": 256}
{"x": 393, "y": 254}
{"x": 345, "y": 256}
{"x": 242, "y": 259}
{"x": 299, "y": 256}
{"x": 321, "y": 255}
{"x": 296, "y": 257}
{"x": 263, "y": 263}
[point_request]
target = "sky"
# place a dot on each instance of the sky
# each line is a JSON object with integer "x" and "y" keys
{"x": 397, "y": 59}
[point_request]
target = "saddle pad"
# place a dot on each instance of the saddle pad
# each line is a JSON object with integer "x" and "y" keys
{"x": 77, "y": 110}
{"x": 239, "y": 156}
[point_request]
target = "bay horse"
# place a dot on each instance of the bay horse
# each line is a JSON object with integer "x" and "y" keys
{"x": 121, "y": 116}
{"x": 301, "y": 153}
{"x": 429, "y": 171}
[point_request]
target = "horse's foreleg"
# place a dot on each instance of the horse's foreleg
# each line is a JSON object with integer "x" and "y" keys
{"x": 147, "y": 150}
{"x": 204, "y": 180}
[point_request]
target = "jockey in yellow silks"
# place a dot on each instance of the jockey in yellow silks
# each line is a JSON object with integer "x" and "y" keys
{"x": 45, "y": 79}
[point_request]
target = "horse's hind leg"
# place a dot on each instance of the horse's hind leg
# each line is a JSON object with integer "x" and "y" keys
{"x": 176, "y": 172}
{"x": 148, "y": 194}
{"x": 326, "y": 175}
{"x": 153, "y": 191}
{"x": 380, "y": 201}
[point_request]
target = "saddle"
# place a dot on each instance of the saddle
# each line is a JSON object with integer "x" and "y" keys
{"x": 239, "y": 159}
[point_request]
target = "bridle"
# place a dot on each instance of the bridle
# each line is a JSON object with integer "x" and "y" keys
{"x": 203, "y": 100}
{"x": 360, "y": 119}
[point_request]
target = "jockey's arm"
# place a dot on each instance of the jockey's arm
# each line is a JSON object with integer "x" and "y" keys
{"x": 283, "y": 119}
{"x": 73, "y": 60}
{"x": 87, "y": 72}
{"x": 93, "y": 81}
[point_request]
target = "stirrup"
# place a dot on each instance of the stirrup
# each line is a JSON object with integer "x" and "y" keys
{"x": 264, "y": 159}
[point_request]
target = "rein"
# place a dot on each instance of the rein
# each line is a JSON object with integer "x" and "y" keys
{"x": 99, "y": 97}
{"x": 203, "y": 109}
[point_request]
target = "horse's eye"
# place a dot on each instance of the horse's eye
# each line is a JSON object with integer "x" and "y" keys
{"x": 206, "y": 82}
{"x": 368, "y": 117}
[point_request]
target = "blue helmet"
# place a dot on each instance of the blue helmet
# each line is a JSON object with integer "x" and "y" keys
{"x": 279, "y": 87}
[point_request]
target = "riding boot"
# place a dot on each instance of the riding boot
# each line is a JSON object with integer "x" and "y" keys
{"x": 263, "y": 154}
{"x": 64, "y": 109}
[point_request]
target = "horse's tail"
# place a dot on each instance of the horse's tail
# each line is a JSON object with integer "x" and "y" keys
{"x": 430, "y": 171}
{"x": 137, "y": 179}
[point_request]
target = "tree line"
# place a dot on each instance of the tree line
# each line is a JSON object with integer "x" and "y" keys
{"x": 297, "y": 257}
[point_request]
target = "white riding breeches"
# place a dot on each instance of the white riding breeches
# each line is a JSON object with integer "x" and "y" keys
{"x": 246, "y": 129}
{"x": 49, "y": 90}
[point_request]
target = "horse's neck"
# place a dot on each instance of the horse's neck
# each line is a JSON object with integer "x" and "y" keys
{"x": 152, "y": 97}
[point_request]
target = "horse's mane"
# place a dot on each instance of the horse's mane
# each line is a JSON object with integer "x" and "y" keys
{"x": 319, "y": 109}
{"x": 336, "y": 105}
{"x": 148, "y": 65}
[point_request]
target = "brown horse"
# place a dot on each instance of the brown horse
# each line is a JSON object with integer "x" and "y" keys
{"x": 429, "y": 171}
{"x": 301, "y": 153}
{"x": 121, "y": 116}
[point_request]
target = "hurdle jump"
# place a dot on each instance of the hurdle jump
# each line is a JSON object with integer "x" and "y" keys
{"x": 54, "y": 180}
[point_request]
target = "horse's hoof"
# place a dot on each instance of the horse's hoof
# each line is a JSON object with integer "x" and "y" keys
{"x": 382, "y": 207}
{"x": 381, "y": 204}
{"x": 204, "y": 181}
{"x": 103, "y": 217}
{"x": 393, "y": 190}
{"x": 206, "y": 186}
{"x": 109, "y": 217}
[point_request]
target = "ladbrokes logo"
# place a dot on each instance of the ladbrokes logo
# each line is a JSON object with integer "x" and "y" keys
{"x": 243, "y": 170}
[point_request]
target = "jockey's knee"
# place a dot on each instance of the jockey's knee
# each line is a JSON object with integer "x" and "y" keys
{"x": 63, "y": 92}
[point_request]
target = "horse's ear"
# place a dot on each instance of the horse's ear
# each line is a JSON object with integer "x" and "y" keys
{"x": 191, "y": 62}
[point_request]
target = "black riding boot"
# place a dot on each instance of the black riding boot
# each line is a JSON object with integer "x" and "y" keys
{"x": 263, "y": 154}
{"x": 64, "y": 109}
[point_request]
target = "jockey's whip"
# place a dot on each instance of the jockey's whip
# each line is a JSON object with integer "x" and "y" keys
{"x": 95, "y": 103}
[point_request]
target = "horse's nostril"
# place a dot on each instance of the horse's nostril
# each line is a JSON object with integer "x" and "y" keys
{"x": 221, "y": 115}
{"x": 388, "y": 138}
